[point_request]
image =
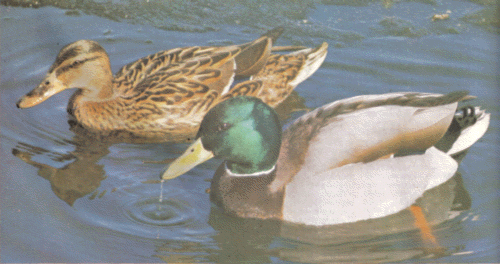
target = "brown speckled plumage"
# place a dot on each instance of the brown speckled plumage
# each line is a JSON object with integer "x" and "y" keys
{"x": 169, "y": 92}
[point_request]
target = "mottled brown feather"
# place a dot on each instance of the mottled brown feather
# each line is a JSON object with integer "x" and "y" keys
{"x": 169, "y": 91}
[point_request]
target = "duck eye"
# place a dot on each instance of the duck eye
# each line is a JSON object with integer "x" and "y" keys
{"x": 75, "y": 63}
{"x": 47, "y": 82}
{"x": 223, "y": 127}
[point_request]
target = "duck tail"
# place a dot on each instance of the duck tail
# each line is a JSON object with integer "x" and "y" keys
{"x": 283, "y": 72}
{"x": 314, "y": 59}
{"x": 274, "y": 82}
{"x": 468, "y": 126}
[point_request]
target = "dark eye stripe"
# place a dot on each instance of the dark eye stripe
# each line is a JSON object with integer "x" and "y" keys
{"x": 74, "y": 64}
{"x": 63, "y": 57}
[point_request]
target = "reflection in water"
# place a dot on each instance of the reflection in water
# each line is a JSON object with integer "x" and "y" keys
{"x": 243, "y": 240}
{"x": 174, "y": 251}
{"x": 78, "y": 178}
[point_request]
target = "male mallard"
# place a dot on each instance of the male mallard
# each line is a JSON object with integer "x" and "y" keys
{"x": 359, "y": 158}
{"x": 170, "y": 91}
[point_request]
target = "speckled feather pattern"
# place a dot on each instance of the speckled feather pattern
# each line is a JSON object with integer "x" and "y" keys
{"x": 169, "y": 92}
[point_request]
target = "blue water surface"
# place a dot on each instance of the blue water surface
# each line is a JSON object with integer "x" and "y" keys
{"x": 67, "y": 199}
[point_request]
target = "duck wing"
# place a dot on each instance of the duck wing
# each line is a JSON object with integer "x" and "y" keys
{"x": 366, "y": 156}
{"x": 184, "y": 90}
{"x": 249, "y": 60}
{"x": 135, "y": 72}
{"x": 368, "y": 127}
{"x": 362, "y": 191}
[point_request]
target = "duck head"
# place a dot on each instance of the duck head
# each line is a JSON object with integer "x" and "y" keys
{"x": 83, "y": 64}
{"x": 243, "y": 131}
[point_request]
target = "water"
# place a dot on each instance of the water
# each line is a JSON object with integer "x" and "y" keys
{"x": 68, "y": 198}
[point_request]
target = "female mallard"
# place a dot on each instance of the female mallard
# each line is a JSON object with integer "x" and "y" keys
{"x": 169, "y": 92}
{"x": 359, "y": 158}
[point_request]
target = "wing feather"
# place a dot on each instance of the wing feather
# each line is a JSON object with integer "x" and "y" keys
{"x": 362, "y": 129}
{"x": 381, "y": 188}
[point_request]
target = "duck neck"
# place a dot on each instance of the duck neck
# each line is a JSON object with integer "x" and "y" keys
{"x": 93, "y": 76}
{"x": 100, "y": 88}
{"x": 106, "y": 90}
{"x": 247, "y": 197}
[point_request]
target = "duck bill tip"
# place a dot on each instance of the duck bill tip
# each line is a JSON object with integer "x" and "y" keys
{"x": 42, "y": 92}
{"x": 194, "y": 155}
{"x": 28, "y": 101}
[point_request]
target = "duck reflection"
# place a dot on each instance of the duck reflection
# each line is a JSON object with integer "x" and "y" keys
{"x": 78, "y": 178}
{"x": 391, "y": 238}
{"x": 82, "y": 175}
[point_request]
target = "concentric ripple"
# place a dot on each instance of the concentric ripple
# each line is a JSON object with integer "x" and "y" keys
{"x": 169, "y": 212}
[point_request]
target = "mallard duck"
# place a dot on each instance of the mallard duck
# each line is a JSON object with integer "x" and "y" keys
{"x": 359, "y": 158}
{"x": 170, "y": 91}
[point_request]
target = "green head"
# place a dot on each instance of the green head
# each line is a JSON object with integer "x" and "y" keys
{"x": 243, "y": 131}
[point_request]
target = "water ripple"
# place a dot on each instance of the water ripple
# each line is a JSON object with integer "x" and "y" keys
{"x": 170, "y": 212}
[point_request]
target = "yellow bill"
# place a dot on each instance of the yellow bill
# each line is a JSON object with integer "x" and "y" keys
{"x": 193, "y": 156}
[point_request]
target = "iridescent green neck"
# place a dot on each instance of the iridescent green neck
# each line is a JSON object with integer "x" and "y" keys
{"x": 245, "y": 132}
